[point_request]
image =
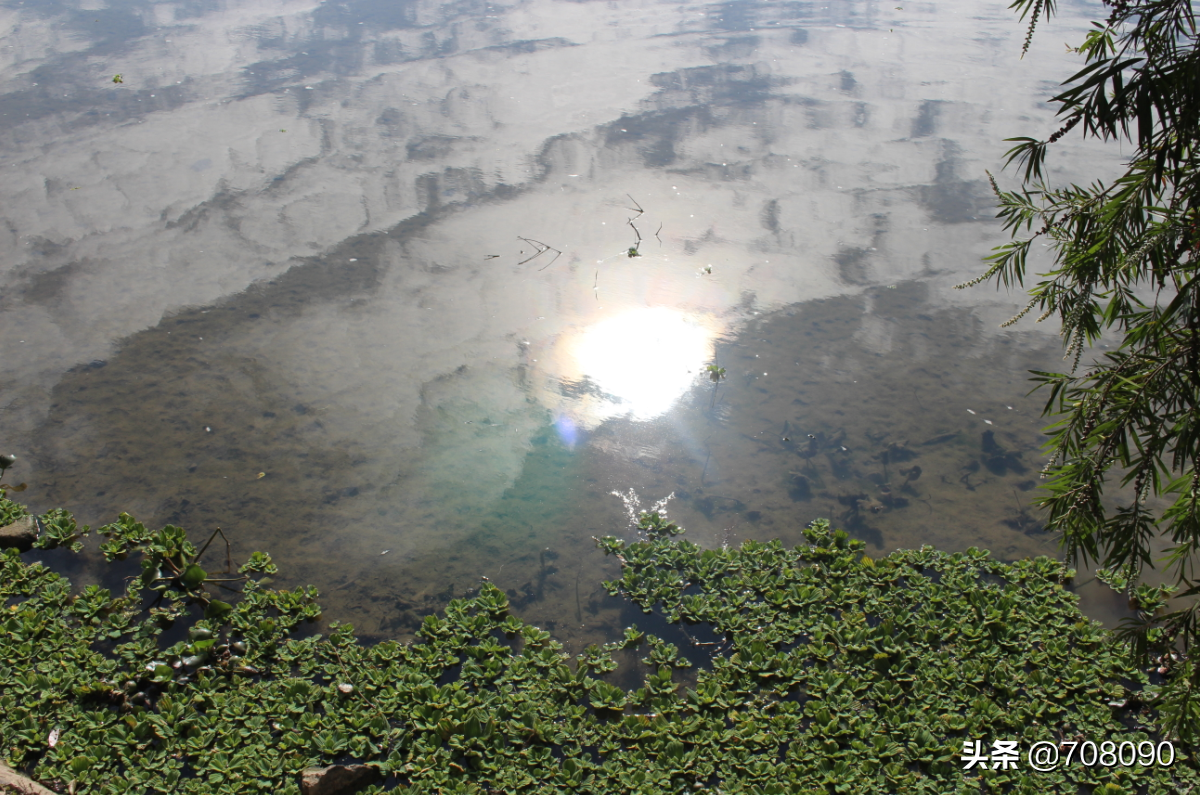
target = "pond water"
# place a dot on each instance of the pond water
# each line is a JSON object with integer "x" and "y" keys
{"x": 412, "y": 293}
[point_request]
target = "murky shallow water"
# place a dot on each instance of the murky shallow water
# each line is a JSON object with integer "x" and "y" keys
{"x": 353, "y": 282}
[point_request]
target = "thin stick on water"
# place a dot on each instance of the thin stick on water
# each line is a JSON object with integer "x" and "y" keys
{"x": 542, "y": 248}
{"x": 633, "y": 251}
{"x": 578, "y": 609}
{"x": 228, "y": 554}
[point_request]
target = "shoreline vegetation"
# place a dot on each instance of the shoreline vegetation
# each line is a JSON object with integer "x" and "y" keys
{"x": 809, "y": 670}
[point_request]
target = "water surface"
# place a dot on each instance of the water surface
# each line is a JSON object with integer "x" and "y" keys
{"x": 411, "y": 293}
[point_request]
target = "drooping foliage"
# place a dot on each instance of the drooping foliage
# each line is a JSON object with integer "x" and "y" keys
{"x": 1125, "y": 258}
{"x": 828, "y": 672}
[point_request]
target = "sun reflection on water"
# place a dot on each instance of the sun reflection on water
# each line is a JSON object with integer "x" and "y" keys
{"x": 639, "y": 362}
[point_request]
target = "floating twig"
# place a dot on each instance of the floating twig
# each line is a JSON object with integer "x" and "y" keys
{"x": 637, "y": 208}
{"x": 542, "y": 248}
{"x": 228, "y": 555}
{"x": 578, "y": 609}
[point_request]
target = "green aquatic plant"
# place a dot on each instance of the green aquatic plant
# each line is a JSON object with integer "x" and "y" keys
{"x": 655, "y": 525}
{"x": 834, "y": 673}
{"x": 10, "y": 511}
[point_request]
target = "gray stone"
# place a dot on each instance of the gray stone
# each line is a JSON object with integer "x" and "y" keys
{"x": 336, "y": 779}
{"x": 20, "y": 534}
{"x": 12, "y": 781}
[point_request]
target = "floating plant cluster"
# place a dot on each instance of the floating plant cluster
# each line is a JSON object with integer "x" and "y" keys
{"x": 829, "y": 673}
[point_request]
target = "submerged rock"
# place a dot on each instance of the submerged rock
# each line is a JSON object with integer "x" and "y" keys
{"x": 336, "y": 779}
{"x": 11, "y": 779}
{"x": 20, "y": 534}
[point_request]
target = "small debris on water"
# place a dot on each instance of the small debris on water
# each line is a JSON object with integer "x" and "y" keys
{"x": 970, "y": 412}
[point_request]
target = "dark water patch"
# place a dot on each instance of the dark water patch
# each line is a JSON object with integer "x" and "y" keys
{"x": 741, "y": 16}
{"x": 80, "y": 104}
{"x": 756, "y": 15}
{"x": 862, "y": 114}
{"x": 735, "y": 48}
{"x": 356, "y": 36}
{"x": 454, "y": 185}
{"x": 769, "y": 217}
{"x": 852, "y": 264}
{"x": 951, "y": 199}
{"x": 109, "y": 27}
{"x": 725, "y": 85}
{"x": 858, "y": 526}
{"x": 799, "y": 487}
{"x": 382, "y": 16}
{"x": 656, "y": 133}
{"x": 886, "y": 422}
{"x": 47, "y": 287}
{"x": 925, "y": 124}
{"x": 698, "y": 643}
{"x": 344, "y": 55}
{"x": 225, "y": 206}
{"x": 69, "y": 85}
{"x": 528, "y": 46}
{"x": 712, "y": 505}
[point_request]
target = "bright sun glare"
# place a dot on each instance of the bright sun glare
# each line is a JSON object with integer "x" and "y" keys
{"x": 647, "y": 357}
